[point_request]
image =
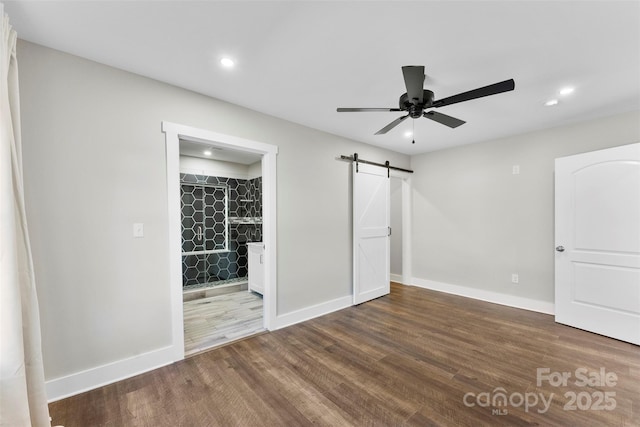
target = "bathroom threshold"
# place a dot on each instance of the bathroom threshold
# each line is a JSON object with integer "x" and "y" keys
{"x": 213, "y": 321}
{"x": 214, "y": 290}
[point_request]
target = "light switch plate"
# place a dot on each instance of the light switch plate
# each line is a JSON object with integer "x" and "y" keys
{"x": 138, "y": 229}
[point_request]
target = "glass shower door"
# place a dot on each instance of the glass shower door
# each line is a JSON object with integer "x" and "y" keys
{"x": 204, "y": 230}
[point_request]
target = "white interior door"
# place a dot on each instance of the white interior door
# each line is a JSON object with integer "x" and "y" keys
{"x": 371, "y": 213}
{"x": 598, "y": 242}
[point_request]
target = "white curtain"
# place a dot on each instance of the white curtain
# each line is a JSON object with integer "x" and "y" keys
{"x": 23, "y": 400}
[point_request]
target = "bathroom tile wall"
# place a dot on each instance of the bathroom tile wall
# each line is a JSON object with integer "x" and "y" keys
{"x": 254, "y": 192}
{"x": 244, "y": 200}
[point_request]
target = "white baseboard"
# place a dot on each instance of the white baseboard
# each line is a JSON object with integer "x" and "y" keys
{"x": 79, "y": 382}
{"x": 308, "y": 313}
{"x": 89, "y": 379}
{"x": 488, "y": 296}
{"x": 396, "y": 278}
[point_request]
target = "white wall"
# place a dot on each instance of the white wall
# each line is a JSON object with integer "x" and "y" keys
{"x": 211, "y": 167}
{"x": 475, "y": 223}
{"x": 254, "y": 170}
{"x": 94, "y": 163}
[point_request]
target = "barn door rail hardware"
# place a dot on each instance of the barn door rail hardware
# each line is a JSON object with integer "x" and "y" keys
{"x": 357, "y": 159}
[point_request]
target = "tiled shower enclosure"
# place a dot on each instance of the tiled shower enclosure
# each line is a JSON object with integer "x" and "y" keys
{"x": 219, "y": 216}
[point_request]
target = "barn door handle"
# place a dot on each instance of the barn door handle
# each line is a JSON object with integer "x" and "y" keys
{"x": 560, "y": 248}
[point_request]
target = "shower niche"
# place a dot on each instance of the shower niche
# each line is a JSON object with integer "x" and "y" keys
{"x": 219, "y": 217}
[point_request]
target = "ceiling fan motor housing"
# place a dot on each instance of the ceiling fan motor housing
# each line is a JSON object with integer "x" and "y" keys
{"x": 416, "y": 108}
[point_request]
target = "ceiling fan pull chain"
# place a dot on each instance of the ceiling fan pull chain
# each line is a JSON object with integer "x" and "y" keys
{"x": 413, "y": 132}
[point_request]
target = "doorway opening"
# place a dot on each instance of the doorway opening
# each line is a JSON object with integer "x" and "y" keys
{"x": 221, "y": 212}
{"x": 221, "y": 201}
{"x": 400, "y": 219}
{"x": 221, "y": 219}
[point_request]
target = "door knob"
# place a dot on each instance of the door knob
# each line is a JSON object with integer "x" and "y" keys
{"x": 560, "y": 248}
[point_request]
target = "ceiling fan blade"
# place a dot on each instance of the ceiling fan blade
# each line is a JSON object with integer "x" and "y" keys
{"x": 452, "y": 122}
{"x": 352, "y": 110}
{"x": 391, "y": 125}
{"x": 414, "y": 81}
{"x": 493, "y": 89}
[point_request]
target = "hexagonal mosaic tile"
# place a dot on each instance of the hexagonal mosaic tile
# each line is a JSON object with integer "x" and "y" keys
{"x": 204, "y": 202}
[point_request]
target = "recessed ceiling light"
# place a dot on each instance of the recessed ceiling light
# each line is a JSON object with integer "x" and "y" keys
{"x": 227, "y": 62}
{"x": 408, "y": 134}
{"x": 551, "y": 103}
{"x": 207, "y": 152}
{"x": 566, "y": 90}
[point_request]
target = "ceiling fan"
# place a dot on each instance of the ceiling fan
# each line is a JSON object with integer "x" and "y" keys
{"x": 417, "y": 99}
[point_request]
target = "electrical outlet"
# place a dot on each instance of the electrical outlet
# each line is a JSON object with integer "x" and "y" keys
{"x": 516, "y": 169}
{"x": 515, "y": 278}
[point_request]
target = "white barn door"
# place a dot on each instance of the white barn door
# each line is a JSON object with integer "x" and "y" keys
{"x": 598, "y": 242}
{"x": 371, "y": 213}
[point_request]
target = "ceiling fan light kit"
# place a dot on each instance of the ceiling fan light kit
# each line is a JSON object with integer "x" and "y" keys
{"x": 417, "y": 99}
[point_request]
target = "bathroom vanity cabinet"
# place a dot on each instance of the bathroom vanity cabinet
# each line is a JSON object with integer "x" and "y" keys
{"x": 256, "y": 267}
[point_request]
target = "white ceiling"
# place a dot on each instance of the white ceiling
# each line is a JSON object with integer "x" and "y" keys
{"x": 299, "y": 60}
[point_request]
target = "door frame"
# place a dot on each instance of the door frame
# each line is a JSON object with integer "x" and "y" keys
{"x": 406, "y": 224}
{"x": 173, "y": 133}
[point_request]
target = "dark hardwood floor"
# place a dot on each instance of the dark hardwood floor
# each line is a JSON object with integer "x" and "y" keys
{"x": 415, "y": 358}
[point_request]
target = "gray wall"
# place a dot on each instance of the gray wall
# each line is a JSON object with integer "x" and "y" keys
{"x": 475, "y": 223}
{"x": 94, "y": 164}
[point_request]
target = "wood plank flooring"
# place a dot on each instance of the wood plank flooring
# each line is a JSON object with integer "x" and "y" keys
{"x": 412, "y": 358}
{"x": 216, "y": 320}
